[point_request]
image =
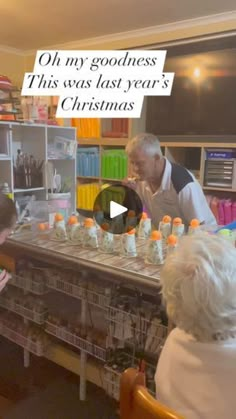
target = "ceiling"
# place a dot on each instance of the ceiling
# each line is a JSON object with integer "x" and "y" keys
{"x": 30, "y": 24}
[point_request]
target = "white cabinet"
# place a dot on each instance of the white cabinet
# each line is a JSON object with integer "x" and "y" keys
{"x": 44, "y": 145}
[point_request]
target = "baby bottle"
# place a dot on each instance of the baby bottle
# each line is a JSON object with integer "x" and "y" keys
{"x": 42, "y": 229}
{"x": 107, "y": 239}
{"x": 90, "y": 238}
{"x": 74, "y": 230}
{"x": 165, "y": 226}
{"x": 172, "y": 243}
{"x": 178, "y": 227}
{"x": 131, "y": 219}
{"x": 145, "y": 227}
{"x": 128, "y": 244}
{"x": 59, "y": 230}
{"x": 155, "y": 251}
{"x": 194, "y": 226}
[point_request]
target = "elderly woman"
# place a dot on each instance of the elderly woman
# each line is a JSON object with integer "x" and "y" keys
{"x": 196, "y": 372}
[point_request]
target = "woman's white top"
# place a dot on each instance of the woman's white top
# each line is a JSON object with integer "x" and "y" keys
{"x": 197, "y": 380}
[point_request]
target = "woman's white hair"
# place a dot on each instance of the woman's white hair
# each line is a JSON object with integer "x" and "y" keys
{"x": 149, "y": 143}
{"x": 199, "y": 286}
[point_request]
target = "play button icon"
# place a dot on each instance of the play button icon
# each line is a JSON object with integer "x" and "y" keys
{"x": 116, "y": 209}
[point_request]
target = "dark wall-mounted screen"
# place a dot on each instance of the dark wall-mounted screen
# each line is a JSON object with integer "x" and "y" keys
{"x": 203, "y": 99}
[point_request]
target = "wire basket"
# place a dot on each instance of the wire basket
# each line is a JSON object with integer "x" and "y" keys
{"x": 113, "y": 371}
{"x": 112, "y": 382}
{"x": 38, "y": 348}
{"x": 28, "y": 284}
{"x": 148, "y": 333}
{"x": 79, "y": 292}
{"x": 36, "y": 317}
{"x": 76, "y": 341}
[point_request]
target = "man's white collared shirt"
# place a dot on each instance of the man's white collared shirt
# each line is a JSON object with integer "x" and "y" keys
{"x": 187, "y": 203}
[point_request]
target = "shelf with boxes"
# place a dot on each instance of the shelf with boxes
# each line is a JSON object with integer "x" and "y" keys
{"x": 101, "y": 158}
{"x": 9, "y": 100}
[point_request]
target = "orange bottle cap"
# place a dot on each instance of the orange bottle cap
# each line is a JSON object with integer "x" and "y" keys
{"x": 105, "y": 226}
{"x": 166, "y": 219}
{"x": 156, "y": 235}
{"x": 72, "y": 220}
{"x": 88, "y": 222}
{"x": 194, "y": 222}
{"x": 144, "y": 216}
{"x": 131, "y": 213}
{"x": 59, "y": 217}
{"x": 177, "y": 221}
{"x": 132, "y": 231}
{"x": 172, "y": 239}
{"x": 41, "y": 226}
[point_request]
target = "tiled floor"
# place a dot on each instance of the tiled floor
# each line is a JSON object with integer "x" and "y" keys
{"x": 45, "y": 390}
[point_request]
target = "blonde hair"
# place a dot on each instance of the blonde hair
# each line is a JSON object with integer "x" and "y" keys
{"x": 199, "y": 286}
{"x": 149, "y": 143}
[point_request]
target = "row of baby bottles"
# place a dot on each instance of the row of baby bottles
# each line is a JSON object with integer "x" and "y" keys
{"x": 165, "y": 240}
{"x": 86, "y": 233}
{"x": 157, "y": 243}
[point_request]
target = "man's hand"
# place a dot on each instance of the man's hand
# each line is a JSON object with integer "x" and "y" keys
{"x": 4, "y": 278}
{"x": 130, "y": 182}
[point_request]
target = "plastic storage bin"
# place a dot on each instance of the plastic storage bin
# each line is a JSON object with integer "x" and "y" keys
{"x": 60, "y": 202}
{"x": 86, "y": 195}
{"x": 114, "y": 164}
{"x": 88, "y": 161}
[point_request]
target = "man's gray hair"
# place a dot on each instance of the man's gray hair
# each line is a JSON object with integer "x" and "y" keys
{"x": 199, "y": 286}
{"x": 148, "y": 143}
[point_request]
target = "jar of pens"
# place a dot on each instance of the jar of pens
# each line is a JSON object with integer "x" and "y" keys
{"x": 28, "y": 171}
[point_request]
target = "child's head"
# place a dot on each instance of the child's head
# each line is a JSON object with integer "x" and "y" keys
{"x": 8, "y": 217}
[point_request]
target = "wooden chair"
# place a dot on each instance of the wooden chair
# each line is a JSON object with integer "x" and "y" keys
{"x": 137, "y": 403}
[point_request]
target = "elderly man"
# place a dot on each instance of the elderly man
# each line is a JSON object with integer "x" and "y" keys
{"x": 166, "y": 188}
